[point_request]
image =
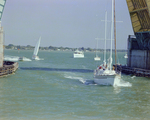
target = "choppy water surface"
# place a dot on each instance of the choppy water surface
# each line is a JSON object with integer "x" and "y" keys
{"x": 61, "y": 87}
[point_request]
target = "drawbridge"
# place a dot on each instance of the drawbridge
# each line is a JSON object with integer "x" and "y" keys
{"x": 139, "y": 45}
{"x": 139, "y": 11}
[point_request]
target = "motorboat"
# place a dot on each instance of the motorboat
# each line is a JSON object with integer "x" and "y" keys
{"x": 78, "y": 54}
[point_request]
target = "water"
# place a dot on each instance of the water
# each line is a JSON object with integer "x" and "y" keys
{"x": 61, "y": 87}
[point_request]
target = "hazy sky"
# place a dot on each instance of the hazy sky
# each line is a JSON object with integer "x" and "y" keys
{"x": 67, "y": 23}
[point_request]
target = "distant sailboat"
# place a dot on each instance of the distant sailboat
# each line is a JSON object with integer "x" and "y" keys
{"x": 96, "y": 58}
{"x": 36, "y": 49}
{"x": 125, "y": 56}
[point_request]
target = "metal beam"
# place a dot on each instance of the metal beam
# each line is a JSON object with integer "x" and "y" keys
{"x": 137, "y": 10}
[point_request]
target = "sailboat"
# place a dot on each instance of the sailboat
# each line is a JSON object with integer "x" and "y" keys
{"x": 36, "y": 49}
{"x": 104, "y": 74}
{"x": 96, "y": 58}
{"x": 126, "y": 56}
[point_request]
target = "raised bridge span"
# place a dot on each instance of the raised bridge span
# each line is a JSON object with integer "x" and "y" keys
{"x": 139, "y": 11}
{"x": 139, "y": 46}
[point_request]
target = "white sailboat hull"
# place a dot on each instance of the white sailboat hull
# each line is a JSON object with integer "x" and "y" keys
{"x": 35, "y": 57}
{"x": 104, "y": 79}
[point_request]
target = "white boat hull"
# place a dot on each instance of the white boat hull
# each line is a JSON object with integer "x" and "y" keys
{"x": 35, "y": 58}
{"x": 78, "y": 55}
{"x": 104, "y": 79}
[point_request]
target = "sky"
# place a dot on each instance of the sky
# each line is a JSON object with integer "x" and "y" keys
{"x": 66, "y": 23}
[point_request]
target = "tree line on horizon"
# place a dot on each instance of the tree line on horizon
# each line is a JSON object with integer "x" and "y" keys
{"x": 29, "y": 47}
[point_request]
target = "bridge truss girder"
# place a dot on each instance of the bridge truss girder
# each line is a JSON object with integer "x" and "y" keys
{"x": 140, "y": 17}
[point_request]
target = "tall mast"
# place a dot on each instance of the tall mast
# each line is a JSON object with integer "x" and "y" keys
{"x": 112, "y": 27}
{"x": 115, "y": 34}
{"x": 105, "y": 37}
{"x": 96, "y": 47}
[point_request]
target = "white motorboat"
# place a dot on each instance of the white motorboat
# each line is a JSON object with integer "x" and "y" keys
{"x": 125, "y": 56}
{"x": 78, "y": 54}
{"x": 36, "y": 49}
{"x": 105, "y": 75}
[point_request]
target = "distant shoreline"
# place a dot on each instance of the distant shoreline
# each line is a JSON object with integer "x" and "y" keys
{"x": 51, "y": 48}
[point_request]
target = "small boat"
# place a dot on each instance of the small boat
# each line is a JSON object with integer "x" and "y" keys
{"x": 97, "y": 58}
{"x": 125, "y": 56}
{"x": 21, "y": 58}
{"x": 78, "y": 54}
{"x": 36, "y": 49}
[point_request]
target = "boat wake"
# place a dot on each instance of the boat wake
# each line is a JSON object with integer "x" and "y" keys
{"x": 133, "y": 77}
{"x": 41, "y": 58}
{"x": 81, "y": 79}
{"x": 75, "y": 78}
{"x": 14, "y": 58}
{"x": 11, "y": 58}
{"x": 118, "y": 82}
{"x": 26, "y": 59}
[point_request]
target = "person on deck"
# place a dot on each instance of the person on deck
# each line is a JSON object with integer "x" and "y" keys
{"x": 100, "y": 67}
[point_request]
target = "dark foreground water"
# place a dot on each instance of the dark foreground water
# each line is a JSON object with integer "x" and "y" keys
{"x": 61, "y": 87}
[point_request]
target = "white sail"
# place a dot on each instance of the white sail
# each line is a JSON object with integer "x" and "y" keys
{"x": 36, "y": 49}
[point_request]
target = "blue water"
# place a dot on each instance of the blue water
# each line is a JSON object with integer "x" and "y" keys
{"x": 61, "y": 87}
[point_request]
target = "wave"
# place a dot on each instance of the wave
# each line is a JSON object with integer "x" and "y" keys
{"x": 78, "y": 78}
{"x": 133, "y": 77}
{"x": 119, "y": 82}
{"x": 41, "y": 58}
{"x": 81, "y": 79}
{"x": 15, "y": 58}
{"x": 26, "y": 59}
{"x": 11, "y": 58}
